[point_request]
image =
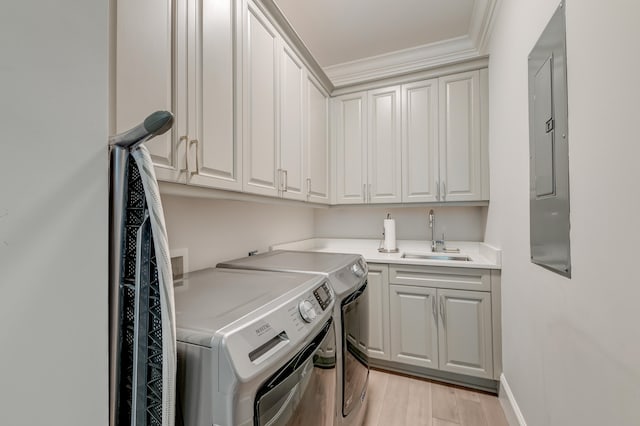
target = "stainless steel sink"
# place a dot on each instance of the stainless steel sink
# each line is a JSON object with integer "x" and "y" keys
{"x": 435, "y": 257}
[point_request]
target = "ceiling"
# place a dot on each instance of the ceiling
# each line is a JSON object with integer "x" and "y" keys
{"x": 350, "y": 39}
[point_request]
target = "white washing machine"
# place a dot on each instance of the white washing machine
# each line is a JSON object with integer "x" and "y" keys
{"x": 347, "y": 274}
{"x": 249, "y": 349}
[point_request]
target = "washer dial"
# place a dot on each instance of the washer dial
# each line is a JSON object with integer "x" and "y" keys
{"x": 307, "y": 311}
{"x": 357, "y": 270}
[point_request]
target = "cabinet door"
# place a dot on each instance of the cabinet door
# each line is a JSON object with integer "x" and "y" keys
{"x": 214, "y": 154}
{"x": 260, "y": 95}
{"x": 350, "y": 139}
{"x": 384, "y": 184}
{"x": 420, "y": 163}
{"x": 292, "y": 155}
{"x": 378, "y": 285}
{"x": 460, "y": 138}
{"x": 317, "y": 136}
{"x": 414, "y": 330}
{"x": 146, "y": 80}
{"x": 465, "y": 344}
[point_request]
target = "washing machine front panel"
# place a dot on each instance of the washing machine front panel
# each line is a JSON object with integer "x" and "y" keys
{"x": 302, "y": 392}
{"x": 235, "y": 330}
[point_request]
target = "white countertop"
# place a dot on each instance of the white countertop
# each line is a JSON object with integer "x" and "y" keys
{"x": 482, "y": 255}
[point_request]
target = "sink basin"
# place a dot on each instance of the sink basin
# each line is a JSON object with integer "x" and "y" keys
{"x": 442, "y": 256}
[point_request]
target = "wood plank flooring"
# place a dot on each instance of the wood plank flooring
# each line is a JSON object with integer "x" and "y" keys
{"x": 396, "y": 400}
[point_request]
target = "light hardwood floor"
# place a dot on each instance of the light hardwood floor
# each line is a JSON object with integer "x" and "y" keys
{"x": 396, "y": 400}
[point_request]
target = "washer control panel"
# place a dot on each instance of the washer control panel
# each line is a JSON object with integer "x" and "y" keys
{"x": 359, "y": 268}
{"x": 307, "y": 311}
{"x": 323, "y": 295}
{"x": 310, "y": 307}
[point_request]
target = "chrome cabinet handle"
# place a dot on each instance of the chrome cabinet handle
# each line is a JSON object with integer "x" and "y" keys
{"x": 437, "y": 190}
{"x": 434, "y": 310}
{"x": 364, "y": 192}
{"x": 308, "y": 187}
{"x": 442, "y": 314}
{"x": 186, "y": 149}
{"x": 280, "y": 180}
{"x": 195, "y": 141}
{"x": 444, "y": 191}
{"x": 286, "y": 181}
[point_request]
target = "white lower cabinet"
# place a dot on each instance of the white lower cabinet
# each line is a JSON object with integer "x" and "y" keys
{"x": 378, "y": 287}
{"x": 435, "y": 325}
{"x": 464, "y": 332}
{"x": 414, "y": 325}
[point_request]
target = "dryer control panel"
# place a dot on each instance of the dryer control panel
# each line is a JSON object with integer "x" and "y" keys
{"x": 270, "y": 334}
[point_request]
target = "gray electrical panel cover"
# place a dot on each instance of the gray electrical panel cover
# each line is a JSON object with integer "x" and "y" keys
{"x": 549, "y": 149}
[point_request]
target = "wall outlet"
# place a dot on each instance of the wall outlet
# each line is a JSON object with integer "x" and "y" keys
{"x": 179, "y": 264}
{"x": 177, "y": 267}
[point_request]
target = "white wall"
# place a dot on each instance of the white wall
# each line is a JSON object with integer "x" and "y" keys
{"x": 571, "y": 347}
{"x": 412, "y": 223}
{"x": 53, "y": 213}
{"x": 217, "y": 230}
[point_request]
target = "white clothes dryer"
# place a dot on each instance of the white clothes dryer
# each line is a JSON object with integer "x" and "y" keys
{"x": 249, "y": 349}
{"x": 347, "y": 275}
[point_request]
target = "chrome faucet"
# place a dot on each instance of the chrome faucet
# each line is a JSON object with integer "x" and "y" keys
{"x": 432, "y": 224}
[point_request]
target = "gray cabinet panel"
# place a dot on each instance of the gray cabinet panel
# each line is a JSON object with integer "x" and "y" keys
{"x": 465, "y": 332}
{"x": 414, "y": 331}
{"x": 437, "y": 276}
{"x": 378, "y": 285}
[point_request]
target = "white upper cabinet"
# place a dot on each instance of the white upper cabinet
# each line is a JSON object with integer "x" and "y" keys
{"x": 444, "y": 139}
{"x": 251, "y": 116}
{"x": 292, "y": 146}
{"x": 284, "y": 115}
{"x": 460, "y": 137}
{"x": 420, "y": 162}
{"x": 260, "y": 100}
{"x": 367, "y": 144}
{"x": 178, "y": 56}
{"x": 147, "y": 77}
{"x": 384, "y": 174}
{"x": 350, "y": 145}
{"x": 317, "y": 137}
{"x": 214, "y": 152}
{"x": 421, "y": 142}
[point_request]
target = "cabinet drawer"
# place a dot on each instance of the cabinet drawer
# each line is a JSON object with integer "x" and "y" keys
{"x": 441, "y": 277}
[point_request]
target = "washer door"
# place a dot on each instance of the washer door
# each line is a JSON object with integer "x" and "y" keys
{"x": 302, "y": 392}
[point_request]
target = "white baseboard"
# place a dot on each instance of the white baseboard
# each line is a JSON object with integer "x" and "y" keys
{"x": 509, "y": 404}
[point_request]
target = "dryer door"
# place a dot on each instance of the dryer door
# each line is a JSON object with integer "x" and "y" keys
{"x": 302, "y": 392}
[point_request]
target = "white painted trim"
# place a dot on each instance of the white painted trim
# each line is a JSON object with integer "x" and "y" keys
{"x": 481, "y": 23}
{"x": 470, "y": 46}
{"x": 402, "y": 61}
{"x": 509, "y": 404}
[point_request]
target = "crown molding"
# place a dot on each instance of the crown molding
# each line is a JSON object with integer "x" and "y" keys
{"x": 402, "y": 61}
{"x": 425, "y": 74}
{"x": 415, "y": 59}
{"x": 271, "y": 9}
{"x": 481, "y": 24}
